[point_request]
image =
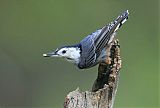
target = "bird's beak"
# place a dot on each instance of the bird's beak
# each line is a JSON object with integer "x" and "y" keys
{"x": 51, "y": 54}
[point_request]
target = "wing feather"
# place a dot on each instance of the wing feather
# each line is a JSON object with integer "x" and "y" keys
{"x": 94, "y": 43}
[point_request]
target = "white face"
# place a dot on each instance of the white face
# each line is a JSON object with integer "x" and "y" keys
{"x": 71, "y": 54}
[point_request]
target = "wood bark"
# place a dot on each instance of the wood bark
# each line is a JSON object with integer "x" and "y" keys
{"x": 105, "y": 86}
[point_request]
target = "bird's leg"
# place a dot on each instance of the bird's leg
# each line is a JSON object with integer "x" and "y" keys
{"x": 107, "y": 59}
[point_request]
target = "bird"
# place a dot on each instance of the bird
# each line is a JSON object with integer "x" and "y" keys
{"x": 92, "y": 49}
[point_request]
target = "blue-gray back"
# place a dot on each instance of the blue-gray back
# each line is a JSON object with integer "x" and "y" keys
{"x": 94, "y": 43}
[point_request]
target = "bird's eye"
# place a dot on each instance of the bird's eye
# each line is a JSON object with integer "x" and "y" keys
{"x": 64, "y": 51}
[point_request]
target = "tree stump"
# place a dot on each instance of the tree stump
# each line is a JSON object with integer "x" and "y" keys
{"x": 105, "y": 86}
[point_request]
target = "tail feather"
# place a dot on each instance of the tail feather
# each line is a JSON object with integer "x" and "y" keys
{"x": 121, "y": 19}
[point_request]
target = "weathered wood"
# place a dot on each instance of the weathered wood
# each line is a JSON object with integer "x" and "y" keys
{"x": 105, "y": 86}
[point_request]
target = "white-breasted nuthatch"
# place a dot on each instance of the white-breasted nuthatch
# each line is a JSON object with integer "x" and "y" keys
{"x": 92, "y": 49}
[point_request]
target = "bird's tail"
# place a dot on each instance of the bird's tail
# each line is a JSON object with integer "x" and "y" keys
{"x": 121, "y": 19}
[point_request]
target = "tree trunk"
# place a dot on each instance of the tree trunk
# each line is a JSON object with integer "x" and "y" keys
{"x": 105, "y": 86}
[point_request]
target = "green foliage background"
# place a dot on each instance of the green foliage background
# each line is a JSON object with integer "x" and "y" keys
{"x": 29, "y": 28}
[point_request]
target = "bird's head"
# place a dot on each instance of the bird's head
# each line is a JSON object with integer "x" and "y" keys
{"x": 70, "y": 53}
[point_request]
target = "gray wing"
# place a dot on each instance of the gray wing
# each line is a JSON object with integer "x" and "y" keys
{"x": 94, "y": 43}
{"x": 88, "y": 55}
